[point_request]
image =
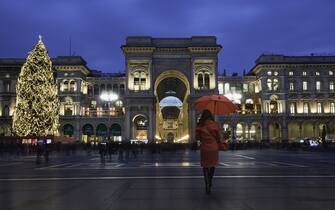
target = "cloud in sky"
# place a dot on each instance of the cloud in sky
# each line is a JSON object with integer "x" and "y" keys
{"x": 98, "y": 28}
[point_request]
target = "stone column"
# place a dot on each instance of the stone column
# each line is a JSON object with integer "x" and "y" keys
{"x": 77, "y": 135}
{"x": 284, "y": 136}
{"x": 151, "y": 127}
{"x": 300, "y": 130}
{"x": 126, "y": 135}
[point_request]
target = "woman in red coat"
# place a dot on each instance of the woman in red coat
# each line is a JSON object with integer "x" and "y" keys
{"x": 208, "y": 132}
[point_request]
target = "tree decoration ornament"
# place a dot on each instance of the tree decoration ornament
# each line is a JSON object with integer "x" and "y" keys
{"x": 37, "y": 104}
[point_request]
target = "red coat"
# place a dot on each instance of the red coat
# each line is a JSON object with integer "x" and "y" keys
{"x": 209, "y": 135}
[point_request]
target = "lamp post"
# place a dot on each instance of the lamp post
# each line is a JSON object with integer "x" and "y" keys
{"x": 109, "y": 97}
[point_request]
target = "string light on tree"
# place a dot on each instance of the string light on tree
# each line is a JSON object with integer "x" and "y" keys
{"x": 37, "y": 104}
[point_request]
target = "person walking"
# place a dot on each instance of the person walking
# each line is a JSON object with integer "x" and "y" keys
{"x": 208, "y": 133}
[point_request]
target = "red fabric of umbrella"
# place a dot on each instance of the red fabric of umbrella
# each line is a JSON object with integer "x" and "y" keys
{"x": 218, "y": 105}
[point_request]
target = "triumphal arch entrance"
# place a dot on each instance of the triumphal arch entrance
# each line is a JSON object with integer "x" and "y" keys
{"x": 164, "y": 77}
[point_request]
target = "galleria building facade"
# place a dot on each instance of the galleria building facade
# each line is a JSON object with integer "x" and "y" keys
{"x": 281, "y": 98}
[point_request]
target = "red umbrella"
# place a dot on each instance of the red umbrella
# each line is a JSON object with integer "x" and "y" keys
{"x": 218, "y": 105}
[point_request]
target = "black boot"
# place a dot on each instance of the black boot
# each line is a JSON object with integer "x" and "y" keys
{"x": 211, "y": 174}
{"x": 207, "y": 180}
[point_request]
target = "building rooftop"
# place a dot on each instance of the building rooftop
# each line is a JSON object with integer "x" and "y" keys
{"x": 148, "y": 41}
{"x": 278, "y": 59}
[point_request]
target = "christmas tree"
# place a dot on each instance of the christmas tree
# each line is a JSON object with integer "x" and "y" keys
{"x": 37, "y": 105}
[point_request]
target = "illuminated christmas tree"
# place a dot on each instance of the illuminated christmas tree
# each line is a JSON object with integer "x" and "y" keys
{"x": 37, "y": 105}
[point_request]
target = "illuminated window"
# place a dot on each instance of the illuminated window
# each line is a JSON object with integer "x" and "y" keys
{"x": 275, "y": 73}
{"x": 220, "y": 87}
{"x": 245, "y": 87}
{"x": 72, "y": 86}
{"x": 331, "y": 86}
{"x": 269, "y": 84}
{"x": 291, "y": 86}
{"x": 304, "y": 85}
{"x": 317, "y": 73}
{"x": 292, "y": 108}
{"x": 226, "y": 88}
{"x": 275, "y": 84}
{"x": 306, "y": 108}
{"x": 318, "y": 85}
{"x": 203, "y": 81}
{"x": 331, "y": 73}
{"x": 304, "y": 73}
{"x": 139, "y": 80}
{"x": 319, "y": 107}
{"x": 332, "y": 107}
{"x": 269, "y": 73}
{"x": 66, "y": 86}
{"x": 290, "y": 73}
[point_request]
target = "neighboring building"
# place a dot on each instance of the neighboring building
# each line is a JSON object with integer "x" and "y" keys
{"x": 281, "y": 97}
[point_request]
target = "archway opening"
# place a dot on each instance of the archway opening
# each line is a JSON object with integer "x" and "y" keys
{"x": 171, "y": 91}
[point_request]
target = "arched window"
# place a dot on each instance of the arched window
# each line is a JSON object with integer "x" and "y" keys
{"x": 102, "y": 88}
{"x": 140, "y": 80}
{"x": 96, "y": 89}
{"x": 319, "y": 107}
{"x": 332, "y": 107}
{"x": 121, "y": 89}
{"x": 275, "y": 84}
{"x": 72, "y": 86}
{"x": 269, "y": 84}
{"x": 226, "y": 88}
{"x": 109, "y": 87}
{"x": 65, "y": 86}
{"x": 206, "y": 86}
{"x": 306, "y": 108}
{"x": 116, "y": 88}
{"x": 292, "y": 108}
{"x": 200, "y": 81}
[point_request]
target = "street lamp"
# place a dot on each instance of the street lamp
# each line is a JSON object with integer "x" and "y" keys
{"x": 109, "y": 97}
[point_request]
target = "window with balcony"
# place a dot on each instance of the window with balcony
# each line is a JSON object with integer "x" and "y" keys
{"x": 319, "y": 108}
{"x": 292, "y": 108}
{"x": 306, "y": 108}
{"x": 318, "y": 85}
{"x": 331, "y": 86}
{"x": 332, "y": 107}
{"x": 304, "y": 86}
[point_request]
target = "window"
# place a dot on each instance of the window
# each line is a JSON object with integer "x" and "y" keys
{"x": 304, "y": 73}
{"x": 66, "y": 86}
{"x": 200, "y": 81}
{"x": 291, "y": 86}
{"x": 304, "y": 85}
{"x": 275, "y": 84}
{"x": 220, "y": 87}
{"x": 269, "y": 84}
{"x": 226, "y": 88}
{"x": 269, "y": 73}
{"x": 318, "y": 85}
{"x": 290, "y": 73}
{"x": 140, "y": 80}
{"x": 72, "y": 86}
{"x": 292, "y": 108}
{"x": 319, "y": 107}
{"x": 6, "y": 85}
{"x": 306, "y": 108}
{"x": 245, "y": 87}
{"x": 317, "y": 73}
{"x": 207, "y": 81}
{"x": 331, "y": 86}
{"x": 96, "y": 89}
{"x": 275, "y": 73}
{"x": 332, "y": 107}
{"x": 331, "y": 73}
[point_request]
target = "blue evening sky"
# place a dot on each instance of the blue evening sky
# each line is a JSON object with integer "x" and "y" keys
{"x": 246, "y": 28}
